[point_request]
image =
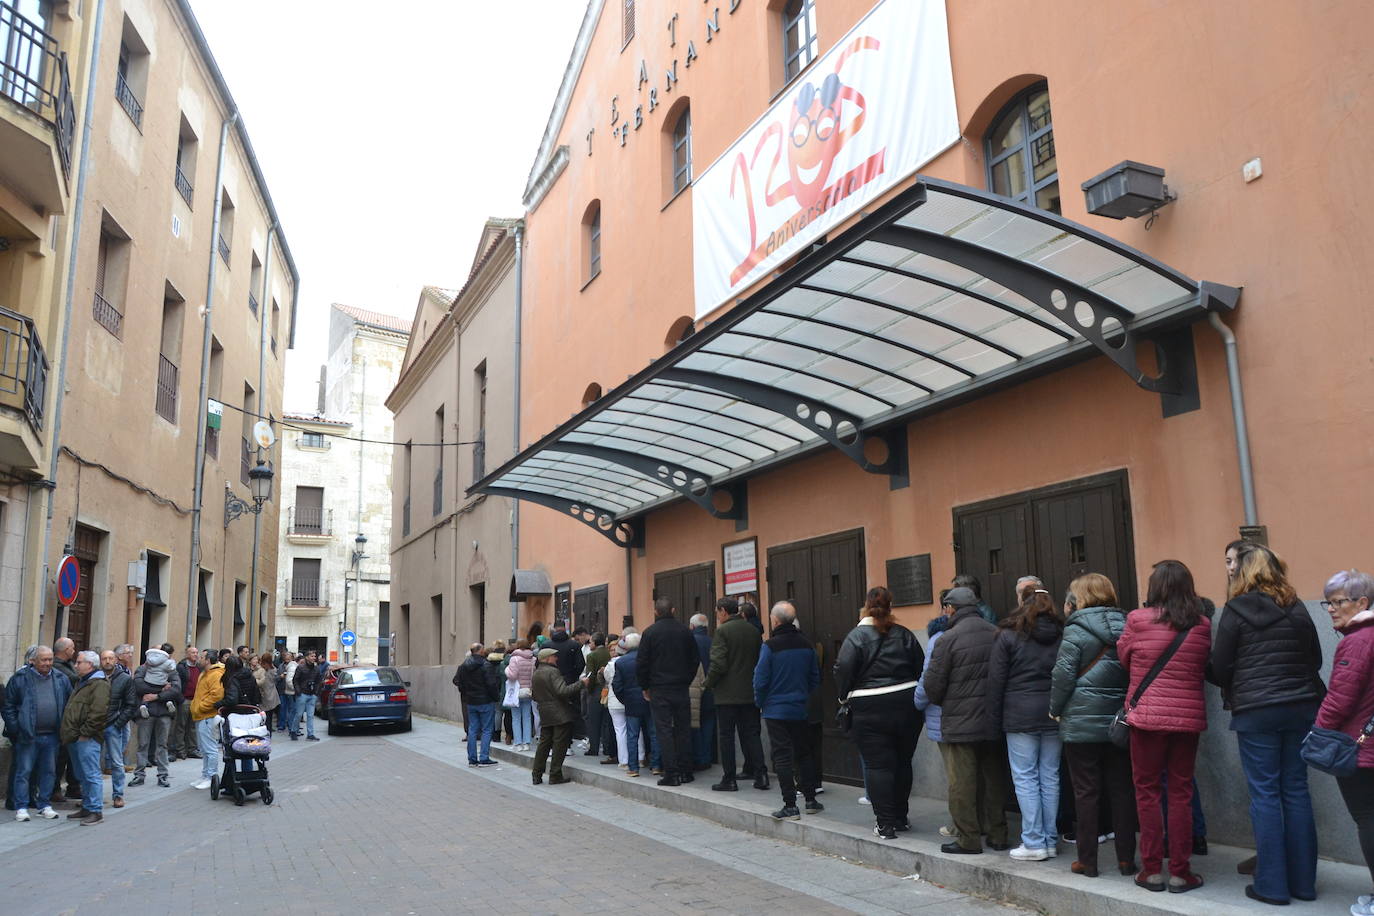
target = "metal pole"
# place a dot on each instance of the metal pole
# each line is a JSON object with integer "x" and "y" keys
{"x": 519, "y": 231}
{"x": 254, "y": 609}
{"x": 358, "y": 563}
{"x": 78, "y": 209}
{"x": 206, "y": 334}
{"x": 1247, "y": 473}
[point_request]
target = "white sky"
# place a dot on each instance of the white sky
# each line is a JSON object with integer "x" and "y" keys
{"x": 388, "y": 134}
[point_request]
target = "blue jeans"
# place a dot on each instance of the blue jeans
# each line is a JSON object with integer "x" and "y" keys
{"x": 116, "y": 740}
{"x": 305, "y": 706}
{"x": 289, "y": 722}
{"x": 634, "y": 727}
{"x": 207, "y": 737}
{"x": 481, "y": 719}
{"x": 1034, "y": 762}
{"x": 85, "y": 757}
{"x": 522, "y": 721}
{"x": 1280, "y": 812}
{"x": 35, "y": 768}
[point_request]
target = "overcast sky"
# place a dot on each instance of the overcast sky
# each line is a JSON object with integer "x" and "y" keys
{"x": 388, "y": 134}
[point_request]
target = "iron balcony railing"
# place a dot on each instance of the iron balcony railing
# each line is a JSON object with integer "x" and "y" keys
{"x": 307, "y": 593}
{"x": 183, "y": 185}
{"x": 110, "y": 318}
{"x": 23, "y": 366}
{"x": 245, "y": 462}
{"x": 128, "y": 101}
{"x": 223, "y": 249}
{"x": 439, "y": 490}
{"x": 274, "y": 344}
{"x": 310, "y": 520}
{"x": 33, "y": 72}
{"x": 167, "y": 385}
{"x": 479, "y": 458}
{"x": 405, "y": 517}
{"x": 253, "y": 304}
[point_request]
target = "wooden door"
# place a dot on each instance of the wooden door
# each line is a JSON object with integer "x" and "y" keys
{"x": 87, "y": 553}
{"x": 994, "y": 545}
{"x": 590, "y": 608}
{"x": 692, "y": 589}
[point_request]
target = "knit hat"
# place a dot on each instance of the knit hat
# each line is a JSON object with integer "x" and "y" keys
{"x": 159, "y": 667}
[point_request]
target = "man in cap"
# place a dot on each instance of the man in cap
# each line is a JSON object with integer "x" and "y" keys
{"x": 557, "y": 711}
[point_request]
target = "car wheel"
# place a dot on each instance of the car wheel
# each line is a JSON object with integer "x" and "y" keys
{"x": 214, "y": 788}
{"x": 334, "y": 728}
{"x": 404, "y": 726}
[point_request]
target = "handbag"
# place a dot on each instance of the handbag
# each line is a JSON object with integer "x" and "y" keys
{"x": 525, "y": 693}
{"x": 1119, "y": 731}
{"x": 844, "y": 716}
{"x": 512, "y": 698}
{"x": 1333, "y": 751}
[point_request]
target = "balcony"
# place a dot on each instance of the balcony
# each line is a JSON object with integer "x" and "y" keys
{"x": 309, "y": 524}
{"x": 183, "y": 185}
{"x": 107, "y": 316}
{"x": 168, "y": 377}
{"x": 128, "y": 101}
{"x": 253, "y": 304}
{"x": 223, "y": 249}
{"x": 307, "y": 598}
{"x": 23, "y": 390}
{"x": 37, "y": 118}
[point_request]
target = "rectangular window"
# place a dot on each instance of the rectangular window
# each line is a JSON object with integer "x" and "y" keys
{"x": 254, "y": 282}
{"x": 204, "y": 613}
{"x": 226, "y": 226}
{"x": 111, "y": 278}
{"x": 436, "y": 611}
{"x": 313, "y": 440}
{"x": 305, "y": 587}
{"x": 479, "y": 447}
{"x": 250, "y": 409}
{"x": 799, "y": 42}
{"x": 308, "y": 516}
{"x": 682, "y": 152}
{"x": 272, "y": 329}
{"x": 184, "y": 173}
{"x": 627, "y": 22}
{"x": 406, "y": 457}
{"x": 169, "y": 355}
{"x": 594, "y": 245}
{"x": 131, "y": 73}
{"x": 439, "y": 461}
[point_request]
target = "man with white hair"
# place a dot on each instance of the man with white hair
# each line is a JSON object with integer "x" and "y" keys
{"x": 704, "y": 737}
{"x": 82, "y": 731}
{"x": 63, "y": 652}
{"x": 787, "y": 674}
{"x": 34, "y": 700}
{"x": 1025, "y": 585}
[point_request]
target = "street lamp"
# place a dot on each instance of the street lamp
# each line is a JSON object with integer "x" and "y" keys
{"x": 259, "y": 487}
{"x": 359, "y": 546}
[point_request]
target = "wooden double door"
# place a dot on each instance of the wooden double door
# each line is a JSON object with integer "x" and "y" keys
{"x": 590, "y": 608}
{"x": 824, "y": 578}
{"x": 1057, "y": 533}
{"x": 692, "y": 589}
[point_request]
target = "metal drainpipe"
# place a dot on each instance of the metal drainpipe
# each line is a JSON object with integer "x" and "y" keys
{"x": 206, "y": 334}
{"x": 519, "y": 231}
{"x": 358, "y": 564}
{"x": 1247, "y": 473}
{"x": 78, "y": 208}
{"x": 254, "y": 608}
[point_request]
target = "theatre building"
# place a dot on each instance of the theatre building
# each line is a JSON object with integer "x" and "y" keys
{"x": 839, "y": 294}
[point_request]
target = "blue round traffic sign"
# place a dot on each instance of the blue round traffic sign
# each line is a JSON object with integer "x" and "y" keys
{"x": 348, "y": 637}
{"x": 68, "y": 580}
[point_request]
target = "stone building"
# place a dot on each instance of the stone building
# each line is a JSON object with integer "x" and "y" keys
{"x": 162, "y": 189}
{"x": 336, "y": 529}
{"x": 452, "y": 559}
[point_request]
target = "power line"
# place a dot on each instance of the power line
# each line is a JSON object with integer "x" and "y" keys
{"x": 316, "y": 432}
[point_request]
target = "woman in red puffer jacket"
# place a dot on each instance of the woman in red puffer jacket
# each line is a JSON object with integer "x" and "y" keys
{"x": 1168, "y": 720}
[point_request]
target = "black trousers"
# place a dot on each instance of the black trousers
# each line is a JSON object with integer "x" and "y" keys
{"x": 1097, "y": 769}
{"x": 885, "y": 727}
{"x": 672, "y": 709}
{"x": 555, "y": 738}
{"x": 1358, "y": 792}
{"x": 790, "y": 742}
{"x": 744, "y": 718}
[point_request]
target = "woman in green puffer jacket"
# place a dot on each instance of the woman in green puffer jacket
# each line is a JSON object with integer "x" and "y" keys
{"x": 1088, "y": 689}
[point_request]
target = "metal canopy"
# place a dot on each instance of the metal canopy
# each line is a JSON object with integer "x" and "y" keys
{"x": 941, "y": 295}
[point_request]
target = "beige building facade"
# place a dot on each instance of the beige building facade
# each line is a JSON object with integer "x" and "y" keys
{"x": 451, "y": 553}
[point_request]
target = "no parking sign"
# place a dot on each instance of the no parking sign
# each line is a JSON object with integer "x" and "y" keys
{"x": 68, "y": 580}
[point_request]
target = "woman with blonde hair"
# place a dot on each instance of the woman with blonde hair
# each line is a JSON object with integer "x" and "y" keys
{"x": 1087, "y": 690}
{"x": 1266, "y": 658}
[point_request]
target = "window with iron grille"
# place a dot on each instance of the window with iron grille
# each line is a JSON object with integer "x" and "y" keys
{"x": 627, "y": 22}
{"x": 1020, "y": 151}
{"x": 131, "y": 75}
{"x": 799, "y": 42}
{"x": 312, "y": 440}
{"x": 169, "y": 353}
{"x": 107, "y": 313}
{"x": 186, "y": 162}
{"x": 682, "y": 151}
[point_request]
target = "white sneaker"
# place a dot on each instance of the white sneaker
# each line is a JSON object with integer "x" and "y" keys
{"x": 948, "y": 832}
{"x": 863, "y": 800}
{"x": 1029, "y": 855}
{"x": 203, "y": 784}
{"x": 22, "y": 814}
{"x": 1364, "y": 906}
{"x": 1365, "y": 900}
{"x": 47, "y": 812}
{"x": 1051, "y": 851}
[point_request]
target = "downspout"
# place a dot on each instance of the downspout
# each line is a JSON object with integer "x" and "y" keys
{"x": 358, "y": 563}
{"x": 78, "y": 208}
{"x": 519, "y": 231}
{"x": 254, "y": 608}
{"x": 1247, "y": 473}
{"x": 452, "y": 606}
{"x": 206, "y": 333}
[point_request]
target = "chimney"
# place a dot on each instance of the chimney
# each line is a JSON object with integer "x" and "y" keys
{"x": 319, "y": 404}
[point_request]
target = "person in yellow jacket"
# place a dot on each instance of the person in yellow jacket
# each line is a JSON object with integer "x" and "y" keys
{"x": 209, "y": 691}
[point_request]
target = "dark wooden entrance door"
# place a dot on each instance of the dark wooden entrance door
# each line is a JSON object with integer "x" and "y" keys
{"x": 590, "y": 608}
{"x": 1056, "y": 533}
{"x": 87, "y": 553}
{"x": 825, "y": 579}
{"x": 692, "y": 589}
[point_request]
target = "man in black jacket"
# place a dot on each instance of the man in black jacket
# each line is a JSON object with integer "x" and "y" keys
{"x": 123, "y": 704}
{"x": 975, "y": 758}
{"x": 571, "y": 662}
{"x": 668, "y": 662}
{"x": 307, "y": 683}
{"x": 478, "y": 684}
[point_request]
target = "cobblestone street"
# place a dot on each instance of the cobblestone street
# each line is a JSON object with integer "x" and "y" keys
{"x": 388, "y": 824}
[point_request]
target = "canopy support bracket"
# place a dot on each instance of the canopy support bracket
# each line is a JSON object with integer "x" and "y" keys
{"x": 622, "y": 533}
{"x": 685, "y": 481}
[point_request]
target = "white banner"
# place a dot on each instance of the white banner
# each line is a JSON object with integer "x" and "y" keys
{"x": 741, "y": 567}
{"x": 873, "y": 110}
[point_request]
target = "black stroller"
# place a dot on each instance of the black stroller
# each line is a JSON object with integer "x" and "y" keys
{"x": 247, "y": 745}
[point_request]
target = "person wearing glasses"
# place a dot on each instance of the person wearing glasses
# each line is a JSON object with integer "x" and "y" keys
{"x": 1266, "y": 658}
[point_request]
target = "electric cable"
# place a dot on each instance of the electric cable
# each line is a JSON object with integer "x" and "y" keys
{"x": 289, "y": 425}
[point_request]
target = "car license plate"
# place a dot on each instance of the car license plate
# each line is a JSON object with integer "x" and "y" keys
{"x": 371, "y": 697}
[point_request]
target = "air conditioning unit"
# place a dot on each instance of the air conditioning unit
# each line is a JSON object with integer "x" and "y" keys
{"x": 138, "y": 573}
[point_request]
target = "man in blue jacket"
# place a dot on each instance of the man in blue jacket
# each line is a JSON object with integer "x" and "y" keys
{"x": 787, "y": 672}
{"x": 35, "y": 699}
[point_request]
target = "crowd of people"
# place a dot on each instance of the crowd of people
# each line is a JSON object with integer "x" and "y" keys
{"x": 1090, "y": 712}
{"x": 72, "y": 716}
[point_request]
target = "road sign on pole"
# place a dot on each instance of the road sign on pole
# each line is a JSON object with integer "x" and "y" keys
{"x": 348, "y": 637}
{"x": 68, "y": 580}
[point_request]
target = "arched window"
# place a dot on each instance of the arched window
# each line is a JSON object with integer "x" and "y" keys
{"x": 799, "y": 40}
{"x": 1020, "y": 151}
{"x": 682, "y": 150}
{"x": 679, "y": 331}
{"x": 591, "y": 395}
{"x": 591, "y": 242}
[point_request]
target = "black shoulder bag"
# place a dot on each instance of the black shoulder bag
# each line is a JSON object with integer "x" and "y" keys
{"x": 844, "y": 716}
{"x": 1119, "y": 731}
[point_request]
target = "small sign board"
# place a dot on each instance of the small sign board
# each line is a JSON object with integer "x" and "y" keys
{"x": 740, "y": 566}
{"x": 68, "y": 580}
{"x": 908, "y": 578}
{"x": 214, "y": 415}
{"x": 348, "y": 637}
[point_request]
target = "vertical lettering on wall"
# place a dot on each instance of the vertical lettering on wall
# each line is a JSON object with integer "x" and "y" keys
{"x": 643, "y": 75}
{"x": 615, "y": 115}
{"x": 691, "y": 53}
{"x": 624, "y": 132}
{"x": 653, "y": 97}
{"x": 639, "y": 116}
{"x": 734, "y": 5}
{"x": 672, "y": 31}
{"x": 713, "y": 23}
{"x": 589, "y": 140}
{"x": 670, "y": 77}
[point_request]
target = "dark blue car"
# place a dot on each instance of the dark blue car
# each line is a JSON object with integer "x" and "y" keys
{"x": 369, "y": 696}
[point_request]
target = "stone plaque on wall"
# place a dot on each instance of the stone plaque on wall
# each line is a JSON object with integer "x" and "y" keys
{"x": 908, "y": 578}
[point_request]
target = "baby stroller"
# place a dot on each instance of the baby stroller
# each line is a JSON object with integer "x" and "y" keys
{"x": 247, "y": 745}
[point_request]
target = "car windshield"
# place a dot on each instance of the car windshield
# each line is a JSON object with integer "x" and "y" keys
{"x": 384, "y": 676}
